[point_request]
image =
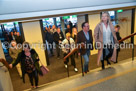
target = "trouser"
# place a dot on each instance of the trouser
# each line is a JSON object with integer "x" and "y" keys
{"x": 51, "y": 48}
{"x": 33, "y": 75}
{"x": 57, "y": 50}
{"x": 72, "y": 60}
{"x": 86, "y": 61}
{"x": 106, "y": 57}
{"x": 76, "y": 54}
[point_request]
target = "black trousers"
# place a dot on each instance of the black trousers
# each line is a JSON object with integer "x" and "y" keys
{"x": 72, "y": 60}
{"x": 106, "y": 57}
{"x": 58, "y": 50}
{"x": 51, "y": 48}
{"x": 33, "y": 75}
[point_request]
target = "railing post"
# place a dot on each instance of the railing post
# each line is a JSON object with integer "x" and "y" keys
{"x": 132, "y": 31}
{"x": 68, "y": 69}
{"x": 133, "y": 53}
{"x": 82, "y": 66}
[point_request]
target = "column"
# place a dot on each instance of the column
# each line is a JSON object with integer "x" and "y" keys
{"x": 54, "y": 20}
{"x": 62, "y": 26}
{"x": 80, "y": 20}
{"x": 94, "y": 19}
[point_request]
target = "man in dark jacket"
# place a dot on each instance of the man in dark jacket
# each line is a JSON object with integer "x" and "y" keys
{"x": 18, "y": 38}
{"x": 11, "y": 37}
{"x": 58, "y": 38}
{"x": 50, "y": 39}
{"x": 85, "y": 37}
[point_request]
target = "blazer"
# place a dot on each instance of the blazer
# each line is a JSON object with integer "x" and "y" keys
{"x": 49, "y": 37}
{"x": 57, "y": 38}
{"x": 82, "y": 39}
{"x": 98, "y": 35}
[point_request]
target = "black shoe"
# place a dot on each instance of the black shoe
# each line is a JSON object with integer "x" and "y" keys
{"x": 108, "y": 63}
{"x": 103, "y": 68}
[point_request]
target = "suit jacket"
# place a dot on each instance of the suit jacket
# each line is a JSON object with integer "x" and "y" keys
{"x": 49, "y": 37}
{"x": 98, "y": 35}
{"x": 57, "y": 38}
{"x": 82, "y": 39}
{"x": 18, "y": 39}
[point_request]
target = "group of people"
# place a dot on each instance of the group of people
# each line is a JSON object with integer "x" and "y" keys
{"x": 24, "y": 58}
{"x": 106, "y": 38}
{"x": 27, "y": 60}
{"x": 13, "y": 35}
{"x": 105, "y": 35}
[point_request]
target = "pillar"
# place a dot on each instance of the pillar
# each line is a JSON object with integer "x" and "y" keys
{"x": 94, "y": 19}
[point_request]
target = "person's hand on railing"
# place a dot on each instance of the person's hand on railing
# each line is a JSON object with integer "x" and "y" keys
{"x": 10, "y": 66}
{"x": 4, "y": 62}
{"x": 133, "y": 34}
{"x": 74, "y": 50}
{"x": 79, "y": 54}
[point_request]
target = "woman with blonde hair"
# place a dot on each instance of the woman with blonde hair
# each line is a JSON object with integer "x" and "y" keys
{"x": 74, "y": 36}
{"x": 74, "y": 33}
{"x": 105, "y": 40}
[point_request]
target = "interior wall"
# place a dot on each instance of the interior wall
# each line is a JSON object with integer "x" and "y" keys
{"x": 32, "y": 34}
{"x": 63, "y": 26}
{"x": 1, "y": 51}
{"x": 125, "y": 23}
{"x": 80, "y": 20}
{"x": 93, "y": 21}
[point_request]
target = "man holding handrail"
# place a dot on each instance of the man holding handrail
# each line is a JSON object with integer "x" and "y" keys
{"x": 85, "y": 37}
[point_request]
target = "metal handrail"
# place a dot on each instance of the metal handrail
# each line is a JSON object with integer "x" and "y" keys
{"x": 4, "y": 62}
{"x": 133, "y": 34}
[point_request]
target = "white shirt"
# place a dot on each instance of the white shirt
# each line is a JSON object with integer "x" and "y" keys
{"x": 65, "y": 45}
{"x": 106, "y": 34}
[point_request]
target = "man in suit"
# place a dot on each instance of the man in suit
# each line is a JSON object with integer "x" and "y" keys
{"x": 85, "y": 37}
{"x": 58, "y": 38}
{"x": 50, "y": 39}
{"x": 18, "y": 38}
